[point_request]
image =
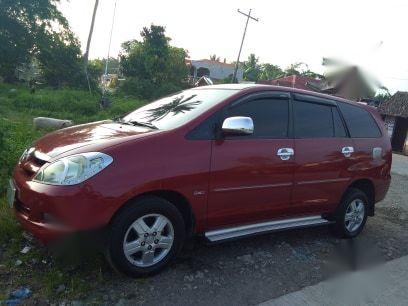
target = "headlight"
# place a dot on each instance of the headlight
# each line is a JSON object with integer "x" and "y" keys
{"x": 25, "y": 154}
{"x": 73, "y": 169}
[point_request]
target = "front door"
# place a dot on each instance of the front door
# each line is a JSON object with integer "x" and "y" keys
{"x": 323, "y": 155}
{"x": 249, "y": 181}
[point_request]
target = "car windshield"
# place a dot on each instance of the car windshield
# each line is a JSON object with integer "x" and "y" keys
{"x": 175, "y": 110}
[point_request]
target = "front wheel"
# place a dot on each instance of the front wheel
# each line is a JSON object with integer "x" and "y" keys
{"x": 145, "y": 236}
{"x": 351, "y": 215}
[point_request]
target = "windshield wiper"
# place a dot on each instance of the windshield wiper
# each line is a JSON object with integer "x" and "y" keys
{"x": 147, "y": 124}
{"x": 134, "y": 122}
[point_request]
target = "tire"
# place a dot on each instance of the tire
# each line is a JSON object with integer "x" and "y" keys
{"x": 137, "y": 250}
{"x": 353, "y": 227}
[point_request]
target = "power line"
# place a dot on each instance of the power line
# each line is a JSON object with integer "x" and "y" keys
{"x": 234, "y": 77}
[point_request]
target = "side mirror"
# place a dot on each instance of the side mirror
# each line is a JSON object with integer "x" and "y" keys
{"x": 238, "y": 126}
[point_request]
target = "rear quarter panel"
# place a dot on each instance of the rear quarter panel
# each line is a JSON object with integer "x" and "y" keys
{"x": 365, "y": 166}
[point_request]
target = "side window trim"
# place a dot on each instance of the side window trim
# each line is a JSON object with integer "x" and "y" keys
{"x": 312, "y": 99}
{"x": 333, "y": 124}
{"x": 259, "y": 95}
{"x": 343, "y": 121}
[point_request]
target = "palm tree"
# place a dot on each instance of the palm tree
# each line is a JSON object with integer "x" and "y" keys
{"x": 180, "y": 104}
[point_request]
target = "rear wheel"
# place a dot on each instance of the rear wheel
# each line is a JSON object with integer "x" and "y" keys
{"x": 145, "y": 236}
{"x": 351, "y": 215}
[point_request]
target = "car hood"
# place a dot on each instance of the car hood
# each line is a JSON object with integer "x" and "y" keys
{"x": 107, "y": 133}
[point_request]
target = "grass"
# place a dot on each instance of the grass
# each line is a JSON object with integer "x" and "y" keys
{"x": 41, "y": 269}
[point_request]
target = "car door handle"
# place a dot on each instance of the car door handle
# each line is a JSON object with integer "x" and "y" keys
{"x": 346, "y": 151}
{"x": 285, "y": 153}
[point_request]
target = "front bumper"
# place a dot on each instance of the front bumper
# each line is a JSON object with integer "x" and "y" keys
{"x": 44, "y": 232}
{"x": 52, "y": 212}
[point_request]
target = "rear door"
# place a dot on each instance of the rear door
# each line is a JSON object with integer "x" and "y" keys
{"x": 249, "y": 181}
{"x": 323, "y": 154}
{"x": 372, "y": 156}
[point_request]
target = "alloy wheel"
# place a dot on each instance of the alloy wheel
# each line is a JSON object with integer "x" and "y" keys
{"x": 148, "y": 240}
{"x": 354, "y": 216}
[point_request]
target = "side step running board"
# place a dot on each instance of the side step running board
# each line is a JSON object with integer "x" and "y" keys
{"x": 270, "y": 226}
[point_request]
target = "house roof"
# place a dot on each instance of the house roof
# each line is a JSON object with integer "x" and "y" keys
{"x": 294, "y": 81}
{"x": 213, "y": 62}
{"x": 397, "y": 105}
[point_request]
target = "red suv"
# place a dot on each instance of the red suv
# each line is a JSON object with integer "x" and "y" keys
{"x": 221, "y": 161}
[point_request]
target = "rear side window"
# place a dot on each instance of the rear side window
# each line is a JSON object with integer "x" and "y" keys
{"x": 316, "y": 120}
{"x": 270, "y": 116}
{"x": 359, "y": 121}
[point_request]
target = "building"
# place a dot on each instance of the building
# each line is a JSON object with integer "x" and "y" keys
{"x": 395, "y": 112}
{"x": 215, "y": 70}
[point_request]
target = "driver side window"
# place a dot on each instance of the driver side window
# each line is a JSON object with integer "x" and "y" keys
{"x": 270, "y": 117}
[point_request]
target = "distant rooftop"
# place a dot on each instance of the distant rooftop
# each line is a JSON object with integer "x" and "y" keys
{"x": 397, "y": 105}
{"x": 211, "y": 62}
{"x": 294, "y": 81}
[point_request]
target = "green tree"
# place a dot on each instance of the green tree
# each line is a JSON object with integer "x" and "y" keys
{"x": 252, "y": 68}
{"x": 28, "y": 31}
{"x": 295, "y": 69}
{"x": 382, "y": 96}
{"x": 96, "y": 68}
{"x": 152, "y": 67}
{"x": 302, "y": 69}
{"x": 60, "y": 60}
{"x": 312, "y": 74}
{"x": 270, "y": 71}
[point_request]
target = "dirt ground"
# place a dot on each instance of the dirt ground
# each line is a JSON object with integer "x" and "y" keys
{"x": 252, "y": 270}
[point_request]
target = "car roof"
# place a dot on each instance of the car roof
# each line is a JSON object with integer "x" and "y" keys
{"x": 239, "y": 86}
{"x": 251, "y": 88}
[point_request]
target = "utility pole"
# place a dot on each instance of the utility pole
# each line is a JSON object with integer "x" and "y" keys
{"x": 104, "y": 100}
{"x": 234, "y": 77}
{"x": 88, "y": 44}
